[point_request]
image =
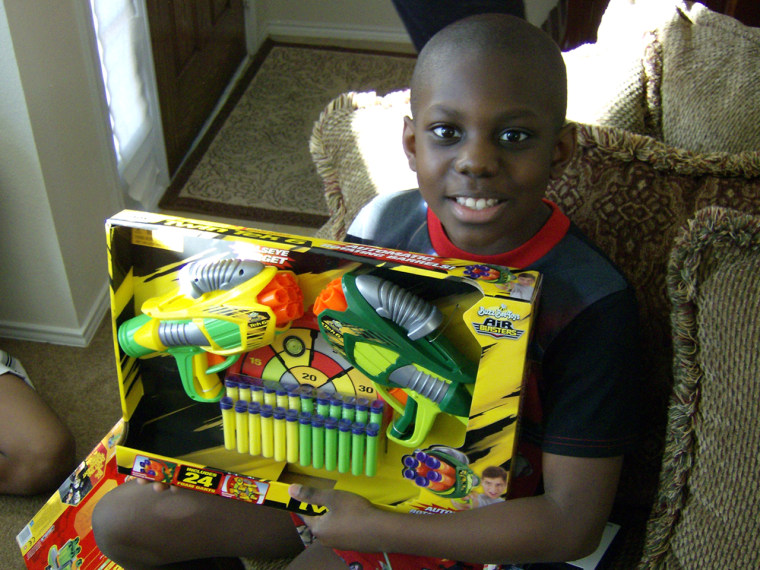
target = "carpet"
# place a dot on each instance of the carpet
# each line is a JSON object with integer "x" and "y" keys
{"x": 255, "y": 162}
{"x": 80, "y": 385}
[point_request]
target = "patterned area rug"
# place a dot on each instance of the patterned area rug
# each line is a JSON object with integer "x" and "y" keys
{"x": 255, "y": 163}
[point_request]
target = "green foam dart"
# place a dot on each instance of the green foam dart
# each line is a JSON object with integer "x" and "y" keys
{"x": 323, "y": 405}
{"x": 358, "y": 437}
{"x": 304, "y": 439}
{"x": 349, "y": 409}
{"x": 336, "y": 407}
{"x": 344, "y": 446}
{"x": 376, "y": 410}
{"x": 331, "y": 444}
{"x": 318, "y": 441}
{"x": 307, "y": 399}
{"x": 291, "y": 425}
{"x": 362, "y": 410}
{"x": 370, "y": 466}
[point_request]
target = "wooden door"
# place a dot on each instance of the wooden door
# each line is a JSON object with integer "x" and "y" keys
{"x": 197, "y": 46}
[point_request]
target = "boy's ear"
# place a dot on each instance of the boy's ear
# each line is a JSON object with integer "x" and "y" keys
{"x": 564, "y": 149}
{"x": 410, "y": 143}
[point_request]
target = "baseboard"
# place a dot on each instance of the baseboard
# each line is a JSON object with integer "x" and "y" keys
{"x": 79, "y": 337}
{"x": 368, "y": 37}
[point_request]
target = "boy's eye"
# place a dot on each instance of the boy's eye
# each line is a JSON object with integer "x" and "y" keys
{"x": 446, "y": 132}
{"x": 511, "y": 136}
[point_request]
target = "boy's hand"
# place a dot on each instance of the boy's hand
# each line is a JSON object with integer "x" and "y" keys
{"x": 157, "y": 485}
{"x": 339, "y": 527}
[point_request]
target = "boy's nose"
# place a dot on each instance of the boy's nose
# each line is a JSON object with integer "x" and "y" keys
{"x": 477, "y": 158}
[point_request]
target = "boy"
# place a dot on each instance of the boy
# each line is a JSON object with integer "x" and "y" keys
{"x": 487, "y": 133}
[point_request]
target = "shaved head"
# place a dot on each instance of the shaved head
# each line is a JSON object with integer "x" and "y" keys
{"x": 525, "y": 52}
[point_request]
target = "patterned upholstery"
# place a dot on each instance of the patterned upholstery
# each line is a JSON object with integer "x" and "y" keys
{"x": 710, "y": 477}
{"x": 630, "y": 194}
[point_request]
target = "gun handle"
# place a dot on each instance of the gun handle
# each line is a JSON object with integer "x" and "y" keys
{"x": 417, "y": 415}
{"x": 192, "y": 363}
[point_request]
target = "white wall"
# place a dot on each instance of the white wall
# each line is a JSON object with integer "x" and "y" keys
{"x": 372, "y": 21}
{"x": 56, "y": 176}
{"x": 58, "y": 180}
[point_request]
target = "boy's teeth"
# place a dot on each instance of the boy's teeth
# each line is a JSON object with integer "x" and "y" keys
{"x": 479, "y": 204}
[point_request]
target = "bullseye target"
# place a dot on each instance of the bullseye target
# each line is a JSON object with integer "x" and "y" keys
{"x": 300, "y": 356}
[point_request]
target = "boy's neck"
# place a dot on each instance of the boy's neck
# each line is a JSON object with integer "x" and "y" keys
{"x": 550, "y": 233}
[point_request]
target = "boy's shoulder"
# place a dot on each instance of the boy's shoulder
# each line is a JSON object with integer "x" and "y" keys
{"x": 395, "y": 220}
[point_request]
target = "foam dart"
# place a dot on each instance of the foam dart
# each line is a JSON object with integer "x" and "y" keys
{"x": 231, "y": 389}
{"x": 280, "y": 433}
{"x": 244, "y": 391}
{"x": 228, "y": 422}
{"x": 358, "y": 440}
{"x": 254, "y": 428}
{"x": 291, "y": 424}
{"x": 267, "y": 431}
{"x": 304, "y": 440}
{"x": 344, "y": 446}
{"x": 370, "y": 465}
{"x": 241, "y": 426}
{"x": 318, "y": 441}
{"x": 331, "y": 443}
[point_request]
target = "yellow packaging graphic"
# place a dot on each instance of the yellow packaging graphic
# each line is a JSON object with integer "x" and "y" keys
{"x": 250, "y": 360}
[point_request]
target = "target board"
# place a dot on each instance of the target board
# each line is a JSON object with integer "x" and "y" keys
{"x": 300, "y": 356}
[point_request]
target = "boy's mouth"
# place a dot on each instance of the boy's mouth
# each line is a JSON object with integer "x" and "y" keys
{"x": 476, "y": 203}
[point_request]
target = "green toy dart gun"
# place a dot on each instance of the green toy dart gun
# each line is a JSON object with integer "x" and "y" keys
{"x": 223, "y": 308}
{"x": 387, "y": 333}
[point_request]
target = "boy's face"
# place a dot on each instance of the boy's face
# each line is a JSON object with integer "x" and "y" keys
{"x": 493, "y": 487}
{"x": 484, "y": 143}
{"x": 525, "y": 280}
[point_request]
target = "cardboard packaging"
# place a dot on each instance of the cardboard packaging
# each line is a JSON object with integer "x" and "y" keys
{"x": 59, "y": 537}
{"x": 426, "y": 455}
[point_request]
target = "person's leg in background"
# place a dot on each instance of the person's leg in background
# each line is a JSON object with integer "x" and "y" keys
{"x": 37, "y": 450}
{"x": 423, "y": 18}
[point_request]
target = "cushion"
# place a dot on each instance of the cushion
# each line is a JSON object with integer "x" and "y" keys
{"x": 710, "y": 81}
{"x": 671, "y": 69}
{"x": 356, "y": 146}
{"x": 707, "y": 514}
{"x": 628, "y": 192}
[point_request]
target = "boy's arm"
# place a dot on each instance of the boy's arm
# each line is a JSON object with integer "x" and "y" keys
{"x": 565, "y": 523}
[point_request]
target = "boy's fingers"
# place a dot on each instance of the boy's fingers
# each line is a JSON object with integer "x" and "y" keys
{"x": 307, "y": 494}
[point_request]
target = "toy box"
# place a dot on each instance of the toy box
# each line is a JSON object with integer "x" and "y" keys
{"x": 59, "y": 537}
{"x": 249, "y": 360}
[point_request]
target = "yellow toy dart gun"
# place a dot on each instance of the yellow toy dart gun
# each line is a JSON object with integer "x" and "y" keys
{"x": 387, "y": 333}
{"x": 224, "y": 307}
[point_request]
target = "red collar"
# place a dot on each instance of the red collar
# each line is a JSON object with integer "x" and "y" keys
{"x": 525, "y": 255}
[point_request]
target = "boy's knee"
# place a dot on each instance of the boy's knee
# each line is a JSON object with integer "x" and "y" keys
{"x": 42, "y": 467}
{"x": 107, "y": 525}
{"x": 53, "y": 459}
